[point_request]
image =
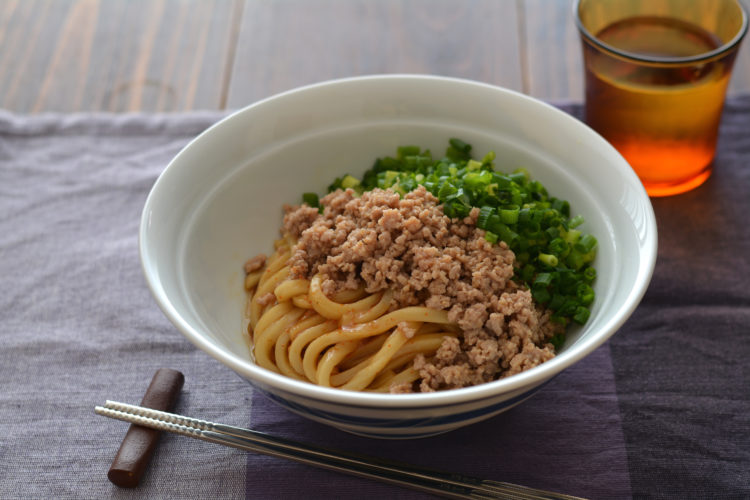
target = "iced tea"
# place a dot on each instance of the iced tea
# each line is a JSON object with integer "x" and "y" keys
{"x": 656, "y": 99}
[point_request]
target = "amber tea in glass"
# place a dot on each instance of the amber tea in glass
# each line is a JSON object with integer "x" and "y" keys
{"x": 656, "y": 77}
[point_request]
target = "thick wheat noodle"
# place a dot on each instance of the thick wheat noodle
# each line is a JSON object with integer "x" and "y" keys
{"x": 308, "y": 320}
{"x": 386, "y": 379}
{"x": 297, "y": 291}
{"x": 369, "y": 366}
{"x": 283, "y": 316}
{"x": 252, "y": 279}
{"x": 423, "y": 343}
{"x": 374, "y": 344}
{"x": 350, "y": 341}
{"x": 279, "y": 259}
{"x": 266, "y": 285}
{"x": 282, "y": 360}
{"x": 290, "y": 289}
{"x": 275, "y": 279}
{"x": 377, "y": 310}
{"x": 303, "y": 339}
{"x": 419, "y": 344}
{"x": 365, "y": 350}
{"x": 398, "y": 338}
{"x": 302, "y": 301}
{"x": 365, "y": 330}
{"x": 347, "y": 296}
{"x": 335, "y": 310}
{"x": 331, "y": 359}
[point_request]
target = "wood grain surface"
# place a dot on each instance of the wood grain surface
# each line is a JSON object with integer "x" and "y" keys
{"x": 177, "y": 55}
{"x": 282, "y": 46}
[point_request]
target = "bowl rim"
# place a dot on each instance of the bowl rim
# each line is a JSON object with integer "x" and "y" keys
{"x": 518, "y": 382}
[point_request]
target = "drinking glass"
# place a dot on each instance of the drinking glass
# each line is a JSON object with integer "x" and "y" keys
{"x": 656, "y": 78}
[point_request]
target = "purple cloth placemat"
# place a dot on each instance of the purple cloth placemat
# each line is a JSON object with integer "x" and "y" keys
{"x": 77, "y": 322}
{"x": 682, "y": 362}
{"x": 661, "y": 411}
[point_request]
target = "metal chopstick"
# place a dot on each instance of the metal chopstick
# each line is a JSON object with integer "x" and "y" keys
{"x": 443, "y": 484}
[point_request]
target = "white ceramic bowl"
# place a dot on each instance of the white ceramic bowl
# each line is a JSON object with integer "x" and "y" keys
{"x": 219, "y": 202}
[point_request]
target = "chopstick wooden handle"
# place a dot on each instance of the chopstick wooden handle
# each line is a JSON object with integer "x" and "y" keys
{"x": 140, "y": 442}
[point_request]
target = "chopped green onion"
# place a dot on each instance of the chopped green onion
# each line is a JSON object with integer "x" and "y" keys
{"x": 581, "y": 315}
{"x": 527, "y": 273}
{"x": 575, "y": 259}
{"x": 477, "y": 180}
{"x": 557, "y": 340}
{"x": 484, "y": 214}
{"x": 586, "y": 243}
{"x": 548, "y": 259}
{"x": 509, "y": 215}
{"x": 585, "y": 294}
{"x": 561, "y": 206}
{"x": 575, "y": 221}
{"x": 404, "y": 151}
{"x": 311, "y": 199}
{"x": 589, "y": 274}
{"x": 572, "y": 236}
{"x": 349, "y": 182}
{"x": 460, "y": 145}
{"x": 446, "y": 190}
{"x": 552, "y": 232}
{"x": 384, "y": 179}
{"x": 557, "y": 301}
{"x": 540, "y": 294}
{"x": 558, "y": 247}
{"x": 488, "y": 158}
{"x": 475, "y": 165}
{"x": 544, "y": 279}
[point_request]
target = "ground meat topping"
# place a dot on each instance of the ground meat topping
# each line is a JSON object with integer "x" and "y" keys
{"x": 380, "y": 240}
{"x": 255, "y": 263}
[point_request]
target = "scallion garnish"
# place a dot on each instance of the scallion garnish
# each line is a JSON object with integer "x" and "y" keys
{"x": 311, "y": 199}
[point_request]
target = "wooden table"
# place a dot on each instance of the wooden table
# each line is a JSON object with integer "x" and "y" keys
{"x": 177, "y": 55}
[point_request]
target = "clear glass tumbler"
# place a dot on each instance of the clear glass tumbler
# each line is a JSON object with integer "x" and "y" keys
{"x": 656, "y": 78}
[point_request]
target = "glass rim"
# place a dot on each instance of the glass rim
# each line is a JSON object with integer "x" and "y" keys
{"x": 704, "y": 57}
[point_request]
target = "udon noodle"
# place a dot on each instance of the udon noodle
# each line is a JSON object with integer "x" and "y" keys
{"x": 424, "y": 275}
{"x": 349, "y": 341}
